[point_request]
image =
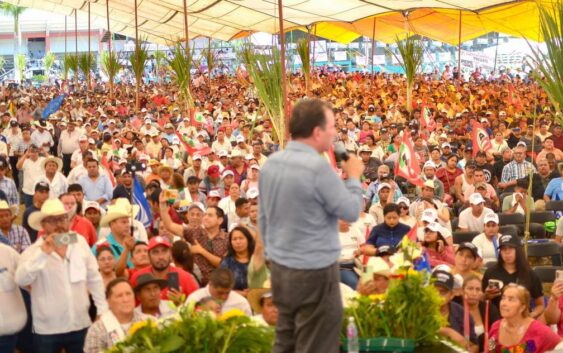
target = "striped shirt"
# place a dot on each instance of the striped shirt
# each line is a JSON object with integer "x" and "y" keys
{"x": 515, "y": 171}
{"x": 9, "y": 187}
{"x": 18, "y": 238}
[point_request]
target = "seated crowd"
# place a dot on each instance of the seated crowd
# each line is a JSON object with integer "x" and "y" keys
{"x": 80, "y": 261}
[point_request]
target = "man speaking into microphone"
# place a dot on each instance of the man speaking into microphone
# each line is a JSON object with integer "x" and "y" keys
{"x": 301, "y": 201}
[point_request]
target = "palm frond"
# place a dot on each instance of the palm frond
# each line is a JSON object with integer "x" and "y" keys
{"x": 12, "y": 10}
{"x": 21, "y": 60}
{"x": 110, "y": 66}
{"x": 266, "y": 73}
{"x": 86, "y": 63}
{"x": 68, "y": 65}
{"x": 410, "y": 58}
{"x": 49, "y": 60}
{"x": 181, "y": 64}
{"x": 303, "y": 51}
{"x": 549, "y": 64}
{"x": 2, "y": 63}
{"x": 160, "y": 60}
{"x": 138, "y": 59}
{"x": 211, "y": 57}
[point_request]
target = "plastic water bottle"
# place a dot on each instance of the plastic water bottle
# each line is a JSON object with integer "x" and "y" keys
{"x": 352, "y": 336}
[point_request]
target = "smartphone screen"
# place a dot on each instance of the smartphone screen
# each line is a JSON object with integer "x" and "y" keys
{"x": 173, "y": 281}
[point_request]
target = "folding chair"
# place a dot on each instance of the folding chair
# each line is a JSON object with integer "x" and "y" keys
{"x": 463, "y": 237}
{"x": 542, "y": 217}
{"x": 511, "y": 218}
{"x": 554, "y": 205}
{"x": 546, "y": 249}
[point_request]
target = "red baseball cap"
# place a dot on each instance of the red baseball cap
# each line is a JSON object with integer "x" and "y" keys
{"x": 158, "y": 241}
{"x": 213, "y": 171}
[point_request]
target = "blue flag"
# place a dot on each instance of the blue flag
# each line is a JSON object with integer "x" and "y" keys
{"x": 53, "y": 106}
{"x": 144, "y": 216}
{"x": 423, "y": 264}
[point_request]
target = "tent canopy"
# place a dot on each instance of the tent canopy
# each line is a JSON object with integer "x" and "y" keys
{"x": 161, "y": 21}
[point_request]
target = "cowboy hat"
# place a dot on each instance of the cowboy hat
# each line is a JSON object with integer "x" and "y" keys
{"x": 255, "y": 296}
{"x": 5, "y": 206}
{"x": 52, "y": 207}
{"x": 125, "y": 202}
{"x": 54, "y": 159}
{"x": 115, "y": 212}
{"x": 165, "y": 166}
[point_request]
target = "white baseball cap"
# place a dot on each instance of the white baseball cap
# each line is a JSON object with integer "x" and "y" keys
{"x": 214, "y": 193}
{"x": 226, "y": 173}
{"x": 491, "y": 217}
{"x": 429, "y": 215}
{"x": 476, "y": 198}
{"x": 240, "y": 138}
{"x": 382, "y": 186}
{"x": 196, "y": 157}
{"x": 404, "y": 200}
{"x": 223, "y": 153}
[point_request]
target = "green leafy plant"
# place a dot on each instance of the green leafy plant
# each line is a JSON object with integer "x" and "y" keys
{"x": 303, "y": 51}
{"x": 86, "y": 63}
{"x": 549, "y": 64}
{"x": 20, "y": 64}
{"x": 181, "y": 64}
{"x": 198, "y": 332}
{"x": 266, "y": 73}
{"x": 2, "y": 63}
{"x": 70, "y": 63}
{"x": 48, "y": 61}
{"x": 410, "y": 58}
{"x": 110, "y": 66}
{"x": 39, "y": 78}
{"x": 211, "y": 57}
{"x": 160, "y": 60}
{"x": 138, "y": 60}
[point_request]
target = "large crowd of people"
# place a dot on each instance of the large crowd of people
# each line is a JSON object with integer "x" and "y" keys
{"x": 81, "y": 259}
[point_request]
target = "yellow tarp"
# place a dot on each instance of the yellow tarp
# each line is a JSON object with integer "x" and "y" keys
{"x": 340, "y": 20}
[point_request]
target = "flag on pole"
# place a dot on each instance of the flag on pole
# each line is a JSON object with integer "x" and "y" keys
{"x": 407, "y": 165}
{"x": 480, "y": 138}
{"x": 188, "y": 143}
{"x": 105, "y": 164}
{"x": 12, "y": 109}
{"x": 426, "y": 119}
{"x": 144, "y": 216}
{"x": 198, "y": 118}
{"x": 53, "y": 106}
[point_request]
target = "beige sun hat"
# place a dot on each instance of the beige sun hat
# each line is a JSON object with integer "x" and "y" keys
{"x": 125, "y": 203}
{"x": 52, "y": 207}
{"x": 255, "y": 296}
{"x": 56, "y": 160}
{"x": 115, "y": 212}
{"x": 5, "y": 206}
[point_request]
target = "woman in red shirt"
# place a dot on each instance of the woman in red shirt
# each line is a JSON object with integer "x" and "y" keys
{"x": 517, "y": 331}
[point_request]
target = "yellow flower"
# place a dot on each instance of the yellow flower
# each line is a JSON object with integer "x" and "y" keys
{"x": 377, "y": 297}
{"x": 230, "y": 314}
{"x": 139, "y": 325}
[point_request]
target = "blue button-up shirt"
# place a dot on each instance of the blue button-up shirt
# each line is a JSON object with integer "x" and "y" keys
{"x": 96, "y": 189}
{"x": 301, "y": 200}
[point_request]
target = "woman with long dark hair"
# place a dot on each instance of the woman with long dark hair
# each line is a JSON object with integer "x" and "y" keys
{"x": 512, "y": 267}
{"x": 240, "y": 249}
{"x": 473, "y": 294}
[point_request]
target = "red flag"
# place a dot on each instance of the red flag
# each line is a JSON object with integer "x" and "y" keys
{"x": 330, "y": 157}
{"x": 413, "y": 234}
{"x": 187, "y": 143}
{"x": 105, "y": 164}
{"x": 407, "y": 165}
{"x": 480, "y": 138}
{"x": 426, "y": 119}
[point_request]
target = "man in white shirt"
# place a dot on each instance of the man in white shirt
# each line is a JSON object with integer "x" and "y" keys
{"x": 76, "y": 157}
{"x": 472, "y": 218}
{"x": 221, "y": 143}
{"x": 61, "y": 271}
{"x": 42, "y": 138}
{"x": 12, "y": 309}
{"x": 68, "y": 144}
{"x": 30, "y": 163}
{"x": 488, "y": 240}
{"x": 220, "y": 287}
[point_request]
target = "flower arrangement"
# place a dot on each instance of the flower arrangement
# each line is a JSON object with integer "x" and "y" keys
{"x": 194, "y": 331}
{"x": 409, "y": 310}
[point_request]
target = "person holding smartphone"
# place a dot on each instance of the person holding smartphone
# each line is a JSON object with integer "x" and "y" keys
{"x": 554, "y": 306}
{"x": 512, "y": 267}
{"x": 60, "y": 302}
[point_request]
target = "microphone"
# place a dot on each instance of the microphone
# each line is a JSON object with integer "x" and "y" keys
{"x": 340, "y": 153}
